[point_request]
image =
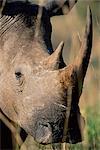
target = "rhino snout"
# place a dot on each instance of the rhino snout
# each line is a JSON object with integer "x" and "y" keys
{"x": 43, "y": 133}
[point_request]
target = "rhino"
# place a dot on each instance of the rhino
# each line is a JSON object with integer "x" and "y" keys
{"x": 38, "y": 91}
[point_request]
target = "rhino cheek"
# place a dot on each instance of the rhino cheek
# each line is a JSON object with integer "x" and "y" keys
{"x": 8, "y": 106}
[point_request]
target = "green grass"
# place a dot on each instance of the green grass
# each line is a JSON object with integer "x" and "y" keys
{"x": 92, "y": 141}
{"x": 93, "y": 127}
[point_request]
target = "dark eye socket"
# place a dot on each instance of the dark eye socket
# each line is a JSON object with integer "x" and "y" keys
{"x": 18, "y": 75}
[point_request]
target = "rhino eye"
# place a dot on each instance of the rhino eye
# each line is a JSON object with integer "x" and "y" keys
{"x": 18, "y": 75}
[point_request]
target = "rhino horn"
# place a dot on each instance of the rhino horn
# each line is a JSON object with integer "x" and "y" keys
{"x": 55, "y": 60}
{"x": 79, "y": 67}
{"x": 83, "y": 57}
{"x": 82, "y": 60}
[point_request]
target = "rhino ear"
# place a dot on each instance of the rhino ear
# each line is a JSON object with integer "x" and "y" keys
{"x": 59, "y": 7}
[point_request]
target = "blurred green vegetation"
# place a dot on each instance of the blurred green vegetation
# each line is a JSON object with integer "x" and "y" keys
{"x": 95, "y": 6}
{"x": 93, "y": 127}
{"x": 92, "y": 130}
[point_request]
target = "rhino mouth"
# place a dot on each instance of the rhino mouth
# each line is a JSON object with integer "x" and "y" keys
{"x": 49, "y": 126}
{"x": 47, "y": 133}
{"x": 43, "y": 133}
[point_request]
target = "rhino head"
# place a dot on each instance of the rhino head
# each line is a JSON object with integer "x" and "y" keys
{"x": 37, "y": 90}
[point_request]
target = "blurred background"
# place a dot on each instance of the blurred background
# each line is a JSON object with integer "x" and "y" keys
{"x": 70, "y": 29}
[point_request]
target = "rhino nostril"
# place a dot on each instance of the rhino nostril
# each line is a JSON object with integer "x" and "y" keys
{"x": 43, "y": 133}
{"x": 46, "y": 125}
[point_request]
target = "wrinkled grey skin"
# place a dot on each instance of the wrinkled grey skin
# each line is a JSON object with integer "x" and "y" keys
{"x": 32, "y": 94}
